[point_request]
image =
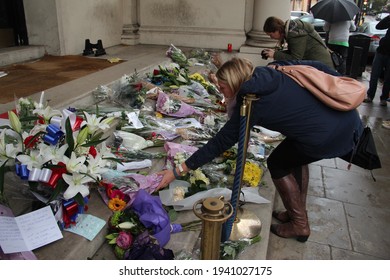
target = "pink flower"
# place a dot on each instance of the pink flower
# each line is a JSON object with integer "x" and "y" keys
{"x": 124, "y": 240}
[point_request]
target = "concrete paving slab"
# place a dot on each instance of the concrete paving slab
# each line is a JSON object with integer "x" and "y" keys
{"x": 340, "y": 254}
{"x": 364, "y": 224}
{"x": 356, "y": 188}
{"x": 328, "y": 223}
{"x": 290, "y": 249}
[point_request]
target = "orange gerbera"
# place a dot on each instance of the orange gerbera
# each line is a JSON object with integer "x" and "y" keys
{"x": 116, "y": 204}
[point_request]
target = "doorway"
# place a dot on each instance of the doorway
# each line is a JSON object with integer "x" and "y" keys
{"x": 13, "y": 30}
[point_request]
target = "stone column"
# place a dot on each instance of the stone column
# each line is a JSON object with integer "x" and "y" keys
{"x": 261, "y": 11}
{"x": 130, "y": 35}
{"x": 257, "y": 40}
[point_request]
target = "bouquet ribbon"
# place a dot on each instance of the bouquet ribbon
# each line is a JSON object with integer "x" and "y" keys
{"x": 22, "y": 171}
{"x": 59, "y": 122}
{"x": 42, "y": 175}
{"x": 53, "y": 134}
{"x": 71, "y": 211}
{"x": 56, "y": 175}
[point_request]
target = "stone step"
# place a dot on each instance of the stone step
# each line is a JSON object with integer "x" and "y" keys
{"x": 20, "y": 54}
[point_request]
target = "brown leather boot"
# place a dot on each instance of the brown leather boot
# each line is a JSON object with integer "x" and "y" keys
{"x": 302, "y": 177}
{"x": 298, "y": 226}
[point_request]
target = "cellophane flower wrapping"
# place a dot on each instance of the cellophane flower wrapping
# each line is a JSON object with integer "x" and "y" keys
{"x": 123, "y": 187}
{"x": 132, "y": 141}
{"x": 140, "y": 232}
{"x": 153, "y": 215}
{"x": 173, "y": 149}
{"x": 173, "y": 107}
{"x": 177, "y": 56}
{"x": 131, "y": 92}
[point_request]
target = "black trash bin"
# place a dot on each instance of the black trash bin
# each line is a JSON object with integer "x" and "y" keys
{"x": 362, "y": 43}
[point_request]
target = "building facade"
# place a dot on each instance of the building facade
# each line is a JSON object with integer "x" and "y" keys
{"x": 62, "y": 26}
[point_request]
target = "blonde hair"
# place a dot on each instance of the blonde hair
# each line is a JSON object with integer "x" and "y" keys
{"x": 235, "y": 72}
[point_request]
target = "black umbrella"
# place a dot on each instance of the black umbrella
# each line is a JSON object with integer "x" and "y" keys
{"x": 366, "y": 155}
{"x": 335, "y": 10}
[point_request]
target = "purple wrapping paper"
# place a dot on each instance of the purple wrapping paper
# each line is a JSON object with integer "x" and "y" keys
{"x": 152, "y": 214}
{"x": 185, "y": 109}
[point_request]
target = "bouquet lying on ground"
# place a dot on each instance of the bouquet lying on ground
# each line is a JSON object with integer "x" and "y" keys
{"x": 141, "y": 231}
{"x": 177, "y": 56}
{"x": 56, "y": 152}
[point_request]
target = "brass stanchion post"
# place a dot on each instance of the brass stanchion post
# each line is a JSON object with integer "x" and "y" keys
{"x": 213, "y": 212}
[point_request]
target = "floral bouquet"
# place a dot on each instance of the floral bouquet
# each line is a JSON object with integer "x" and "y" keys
{"x": 119, "y": 189}
{"x": 141, "y": 232}
{"x": 177, "y": 153}
{"x": 131, "y": 93}
{"x": 170, "y": 75}
{"x": 59, "y": 156}
{"x": 173, "y": 107}
{"x": 177, "y": 56}
{"x": 252, "y": 174}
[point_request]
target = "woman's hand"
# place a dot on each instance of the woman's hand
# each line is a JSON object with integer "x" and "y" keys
{"x": 269, "y": 53}
{"x": 168, "y": 177}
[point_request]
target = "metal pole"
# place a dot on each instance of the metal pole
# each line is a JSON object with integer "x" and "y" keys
{"x": 245, "y": 112}
{"x": 213, "y": 212}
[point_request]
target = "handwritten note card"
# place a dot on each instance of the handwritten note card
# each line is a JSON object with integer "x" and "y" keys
{"x": 87, "y": 226}
{"x": 29, "y": 231}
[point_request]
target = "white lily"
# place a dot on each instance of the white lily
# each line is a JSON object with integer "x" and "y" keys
{"x": 75, "y": 164}
{"x": 37, "y": 128}
{"x": 53, "y": 153}
{"x": 34, "y": 160}
{"x": 105, "y": 152}
{"x": 76, "y": 184}
{"x": 8, "y": 150}
{"x": 15, "y": 122}
{"x": 96, "y": 166}
{"x": 94, "y": 123}
{"x": 47, "y": 113}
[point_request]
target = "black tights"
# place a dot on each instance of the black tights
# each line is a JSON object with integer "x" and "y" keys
{"x": 287, "y": 159}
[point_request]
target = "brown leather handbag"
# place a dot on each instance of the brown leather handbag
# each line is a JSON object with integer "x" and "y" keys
{"x": 338, "y": 92}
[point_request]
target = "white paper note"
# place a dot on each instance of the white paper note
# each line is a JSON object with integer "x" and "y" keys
{"x": 29, "y": 231}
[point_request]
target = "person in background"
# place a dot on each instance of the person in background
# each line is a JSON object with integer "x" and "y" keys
{"x": 381, "y": 63}
{"x": 338, "y": 37}
{"x": 312, "y": 130}
{"x": 303, "y": 42}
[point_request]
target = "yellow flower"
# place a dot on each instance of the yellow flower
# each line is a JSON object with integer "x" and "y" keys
{"x": 197, "y": 77}
{"x": 116, "y": 204}
{"x": 252, "y": 174}
{"x": 159, "y": 115}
